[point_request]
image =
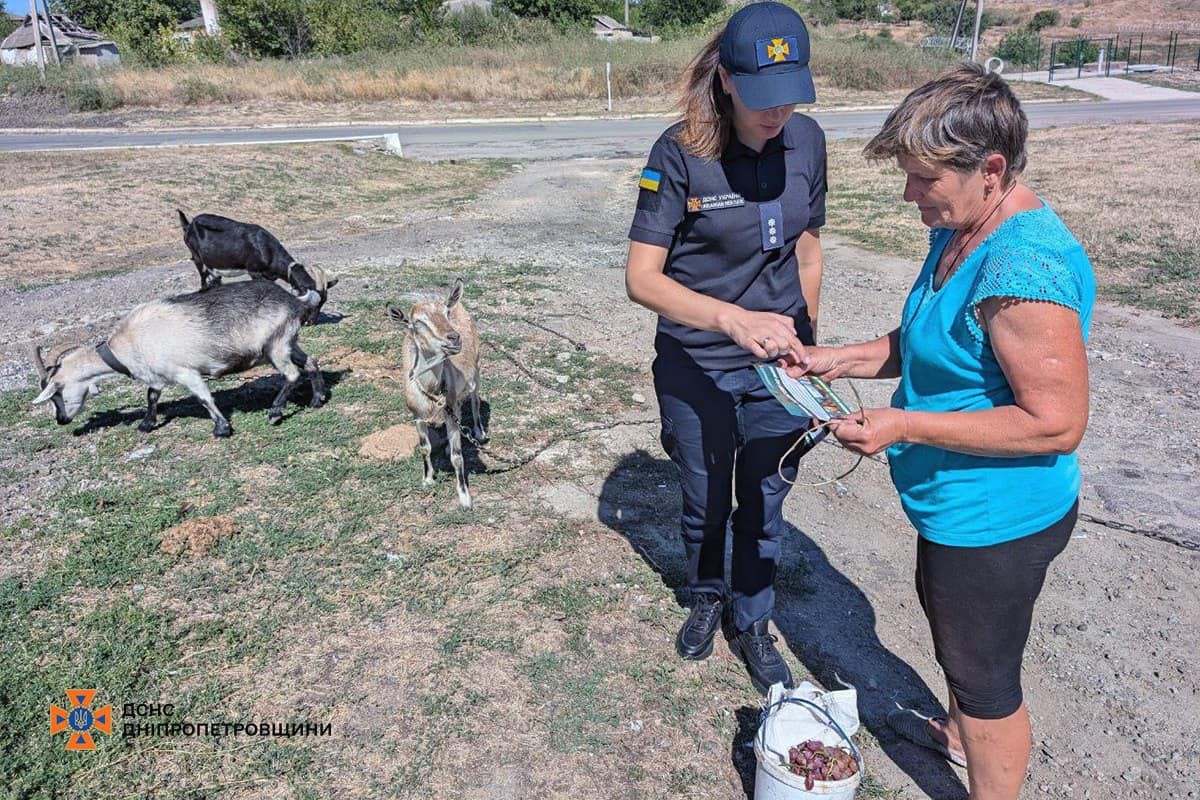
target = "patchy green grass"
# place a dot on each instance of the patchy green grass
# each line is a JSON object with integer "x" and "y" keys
{"x": 1127, "y": 192}
{"x": 330, "y": 547}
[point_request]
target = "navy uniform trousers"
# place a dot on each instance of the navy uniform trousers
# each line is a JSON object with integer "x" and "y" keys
{"x": 726, "y": 433}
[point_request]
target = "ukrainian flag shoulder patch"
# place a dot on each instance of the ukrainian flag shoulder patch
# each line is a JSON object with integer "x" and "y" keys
{"x": 650, "y": 179}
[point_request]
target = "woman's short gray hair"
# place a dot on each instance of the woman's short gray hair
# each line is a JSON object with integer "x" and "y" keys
{"x": 956, "y": 120}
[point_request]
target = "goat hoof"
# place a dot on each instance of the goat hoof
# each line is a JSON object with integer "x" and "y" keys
{"x": 465, "y": 503}
{"x": 222, "y": 432}
{"x": 318, "y": 401}
{"x": 275, "y": 419}
{"x": 145, "y": 426}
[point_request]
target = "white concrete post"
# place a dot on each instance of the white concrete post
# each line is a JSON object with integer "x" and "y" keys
{"x": 608, "y": 81}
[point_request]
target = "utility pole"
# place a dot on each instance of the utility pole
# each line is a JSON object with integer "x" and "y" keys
{"x": 978, "y": 21}
{"x": 53, "y": 38}
{"x": 962, "y": 8}
{"x": 208, "y": 10}
{"x": 37, "y": 37}
{"x": 626, "y": 13}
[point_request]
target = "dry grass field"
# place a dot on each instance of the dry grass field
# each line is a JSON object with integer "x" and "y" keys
{"x": 1128, "y": 192}
{"x": 563, "y": 75}
{"x": 103, "y": 211}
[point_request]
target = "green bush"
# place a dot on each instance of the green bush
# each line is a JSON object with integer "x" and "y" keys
{"x": 1076, "y": 21}
{"x": 193, "y": 91}
{"x": 1020, "y": 47}
{"x": 940, "y": 14}
{"x": 144, "y": 32}
{"x": 856, "y": 9}
{"x": 677, "y": 14}
{"x": 478, "y": 27}
{"x": 424, "y": 15}
{"x": 872, "y": 62}
{"x": 339, "y": 27}
{"x": 266, "y": 28}
{"x": 819, "y": 13}
{"x": 102, "y": 15}
{"x": 87, "y": 96}
{"x": 1046, "y": 18}
{"x": 1079, "y": 51}
{"x": 210, "y": 49}
{"x": 7, "y": 25}
{"x": 563, "y": 13}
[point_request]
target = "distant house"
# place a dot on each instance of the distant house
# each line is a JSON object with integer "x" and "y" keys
{"x": 75, "y": 43}
{"x": 190, "y": 29}
{"x": 608, "y": 28}
{"x": 604, "y": 27}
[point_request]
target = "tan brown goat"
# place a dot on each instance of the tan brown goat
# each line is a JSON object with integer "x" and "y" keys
{"x": 441, "y": 368}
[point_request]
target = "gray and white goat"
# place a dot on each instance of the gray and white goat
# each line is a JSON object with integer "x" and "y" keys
{"x": 221, "y": 246}
{"x": 441, "y": 368}
{"x": 183, "y": 339}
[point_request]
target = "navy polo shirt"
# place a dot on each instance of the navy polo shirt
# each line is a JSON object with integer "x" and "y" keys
{"x": 730, "y": 228}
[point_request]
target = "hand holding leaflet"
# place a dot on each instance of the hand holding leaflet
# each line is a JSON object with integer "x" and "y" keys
{"x": 807, "y": 396}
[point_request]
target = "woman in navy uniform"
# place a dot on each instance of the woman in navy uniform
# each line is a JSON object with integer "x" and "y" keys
{"x": 725, "y": 248}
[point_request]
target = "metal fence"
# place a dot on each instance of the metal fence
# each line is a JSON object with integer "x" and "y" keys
{"x": 1124, "y": 53}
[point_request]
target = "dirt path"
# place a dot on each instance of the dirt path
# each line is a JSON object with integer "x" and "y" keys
{"x": 1110, "y": 672}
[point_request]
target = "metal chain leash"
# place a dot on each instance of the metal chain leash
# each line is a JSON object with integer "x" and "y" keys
{"x": 517, "y": 463}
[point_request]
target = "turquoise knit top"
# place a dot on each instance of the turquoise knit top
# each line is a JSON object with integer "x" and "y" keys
{"x": 948, "y": 365}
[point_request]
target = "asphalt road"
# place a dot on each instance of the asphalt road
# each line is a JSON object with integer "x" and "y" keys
{"x": 558, "y": 139}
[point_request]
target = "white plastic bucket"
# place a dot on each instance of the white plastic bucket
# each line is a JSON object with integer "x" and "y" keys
{"x": 776, "y": 782}
{"x": 795, "y": 716}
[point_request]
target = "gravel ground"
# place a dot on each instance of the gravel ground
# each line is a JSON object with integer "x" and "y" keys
{"x": 1110, "y": 670}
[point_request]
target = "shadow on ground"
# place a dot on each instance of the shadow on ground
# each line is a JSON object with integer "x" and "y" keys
{"x": 250, "y": 397}
{"x": 826, "y": 620}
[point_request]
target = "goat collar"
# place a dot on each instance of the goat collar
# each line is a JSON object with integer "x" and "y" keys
{"x": 108, "y": 357}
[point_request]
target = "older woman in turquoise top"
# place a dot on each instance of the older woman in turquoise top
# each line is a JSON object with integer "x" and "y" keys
{"x": 991, "y": 404}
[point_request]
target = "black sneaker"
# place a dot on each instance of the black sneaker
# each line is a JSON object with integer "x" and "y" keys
{"x": 756, "y": 647}
{"x": 695, "y": 639}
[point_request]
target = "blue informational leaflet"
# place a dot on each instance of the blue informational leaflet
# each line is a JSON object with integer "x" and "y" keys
{"x": 808, "y": 396}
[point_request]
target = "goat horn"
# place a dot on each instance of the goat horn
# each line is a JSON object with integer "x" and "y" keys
{"x": 36, "y": 352}
{"x": 318, "y": 276}
{"x": 57, "y": 353}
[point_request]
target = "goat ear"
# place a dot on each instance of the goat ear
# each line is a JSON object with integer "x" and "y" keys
{"x": 397, "y": 315}
{"x": 455, "y": 293}
{"x": 330, "y": 281}
{"x": 46, "y": 394}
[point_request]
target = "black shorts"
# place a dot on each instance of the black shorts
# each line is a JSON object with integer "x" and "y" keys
{"x": 979, "y": 602}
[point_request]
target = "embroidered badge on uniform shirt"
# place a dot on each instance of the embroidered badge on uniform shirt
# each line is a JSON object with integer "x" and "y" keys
{"x": 713, "y": 202}
{"x": 650, "y": 179}
{"x": 770, "y": 218}
{"x": 776, "y": 51}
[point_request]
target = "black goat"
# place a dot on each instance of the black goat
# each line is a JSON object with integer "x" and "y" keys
{"x": 221, "y": 246}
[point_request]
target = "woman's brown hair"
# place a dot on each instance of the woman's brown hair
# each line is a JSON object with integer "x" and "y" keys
{"x": 957, "y": 119}
{"x": 707, "y": 109}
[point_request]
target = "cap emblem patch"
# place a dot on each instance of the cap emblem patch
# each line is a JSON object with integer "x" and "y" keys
{"x": 778, "y": 50}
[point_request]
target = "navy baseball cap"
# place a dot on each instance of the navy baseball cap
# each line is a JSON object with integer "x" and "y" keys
{"x": 765, "y": 50}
